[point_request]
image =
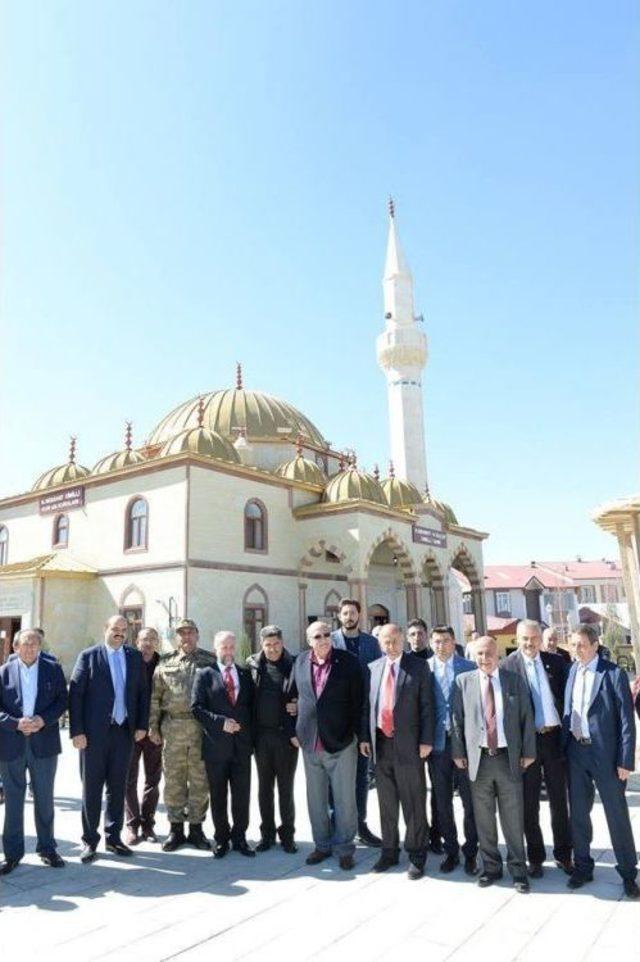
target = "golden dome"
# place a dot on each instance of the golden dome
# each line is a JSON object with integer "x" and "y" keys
{"x": 63, "y": 473}
{"x": 120, "y": 459}
{"x": 199, "y": 440}
{"x": 262, "y": 416}
{"x": 441, "y": 507}
{"x": 301, "y": 469}
{"x": 354, "y": 485}
{"x": 401, "y": 494}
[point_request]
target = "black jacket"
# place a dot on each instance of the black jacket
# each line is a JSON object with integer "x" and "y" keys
{"x": 211, "y": 706}
{"x": 91, "y": 694}
{"x": 257, "y": 665}
{"x": 413, "y": 711}
{"x": 335, "y": 717}
{"x": 556, "y": 670}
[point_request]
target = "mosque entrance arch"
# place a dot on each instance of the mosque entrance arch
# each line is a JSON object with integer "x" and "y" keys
{"x": 463, "y": 562}
{"x": 389, "y": 590}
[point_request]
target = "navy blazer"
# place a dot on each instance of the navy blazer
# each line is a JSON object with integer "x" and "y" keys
{"x": 211, "y": 705}
{"x": 612, "y": 724}
{"x": 556, "y": 670}
{"x": 368, "y": 647}
{"x": 51, "y": 704}
{"x": 413, "y": 708}
{"x": 91, "y": 693}
{"x": 443, "y": 708}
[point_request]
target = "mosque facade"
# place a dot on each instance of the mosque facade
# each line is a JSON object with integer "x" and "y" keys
{"x": 237, "y": 512}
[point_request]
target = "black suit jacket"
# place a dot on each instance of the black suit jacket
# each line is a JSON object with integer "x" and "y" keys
{"x": 335, "y": 717}
{"x": 51, "y": 703}
{"x": 556, "y": 670}
{"x": 413, "y": 710}
{"x": 91, "y": 694}
{"x": 211, "y": 706}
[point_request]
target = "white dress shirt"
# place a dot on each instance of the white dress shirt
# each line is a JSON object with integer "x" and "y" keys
{"x": 551, "y": 717}
{"x": 443, "y": 671}
{"x": 582, "y": 688}
{"x": 234, "y": 677}
{"x": 497, "y": 693}
{"x": 385, "y": 673}
{"x": 28, "y": 686}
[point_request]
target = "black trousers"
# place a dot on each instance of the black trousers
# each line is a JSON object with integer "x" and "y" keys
{"x": 550, "y": 760}
{"x": 276, "y": 761}
{"x": 138, "y": 815}
{"x": 443, "y": 771}
{"x": 104, "y": 764}
{"x": 232, "y": 775}
{"x": 401, "y": 786}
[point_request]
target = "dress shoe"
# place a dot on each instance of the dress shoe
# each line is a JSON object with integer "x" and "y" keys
{"x": 471, "y": 865}
{"x": 486, "y": 879}
{"x": 367, "y": 837}
{"x": 148, "y": 833}
{"x": 385, "y": 862}
{"x": 631, "y": 889}
{"x": 415, "y": 871}
{"x": 264, "y": 845}
{"x": 221, "y": 850}
{"x": 316, "y": 857}
{"x": 535, "y": 870}
{"x": 346, "y": 862}
{"x": 436, "y": 846}
{"x": 116, "y": 847}
{"x": 577, "y": 880}
{"x": 197, "y": 838}
{"x": 132, "y": 837}
{"x": 8, "y": 865}
{"x": 450, "y": 862}
{"x": 521, "y": 885}
{"x": 175, "y": 838}
{"x": 289, "y": 847}
{"x": 244, "y": 849}
{"x": 566, "y": 865}
{"x": 52, "y": 859}
{"x": 88, "y": 854}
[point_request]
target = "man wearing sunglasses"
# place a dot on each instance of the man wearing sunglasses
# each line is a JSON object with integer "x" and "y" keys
{"x": 330, "y": 697}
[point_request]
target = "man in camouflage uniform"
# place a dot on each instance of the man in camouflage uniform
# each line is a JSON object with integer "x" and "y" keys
{"x": 172, "y": 725}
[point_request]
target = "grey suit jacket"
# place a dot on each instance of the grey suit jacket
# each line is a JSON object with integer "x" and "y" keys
{"x": 468, "y": 726}
{"x": 413, "y": 710}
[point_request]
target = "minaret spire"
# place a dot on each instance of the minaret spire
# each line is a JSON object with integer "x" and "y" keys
{"x": 402, "y": 355}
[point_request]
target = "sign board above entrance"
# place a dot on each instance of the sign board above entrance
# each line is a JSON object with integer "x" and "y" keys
{"x": 430, "y": 536}
{"x": 63, "y": 500}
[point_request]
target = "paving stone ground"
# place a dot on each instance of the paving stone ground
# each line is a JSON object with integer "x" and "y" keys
{"x": 188, "y": 906}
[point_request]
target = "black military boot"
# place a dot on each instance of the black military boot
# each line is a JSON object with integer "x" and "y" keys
{"x": 197, "y": 838}
{"x": 175, "y": 838}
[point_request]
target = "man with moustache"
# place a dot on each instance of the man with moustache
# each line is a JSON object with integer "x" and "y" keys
{"x": 141, "y": 818}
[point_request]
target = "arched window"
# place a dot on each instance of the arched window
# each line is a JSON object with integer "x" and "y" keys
{"x": 255, "y": 612}
{"x": 4, "y": 544}
{"x": 331, "y": 607}
{"x": 60, "y": 531}
{"x": 137, "y": 525}
{"x": 255, "y": 526}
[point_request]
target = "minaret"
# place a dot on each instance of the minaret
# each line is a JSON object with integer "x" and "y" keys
{"x": 402, "y": 354}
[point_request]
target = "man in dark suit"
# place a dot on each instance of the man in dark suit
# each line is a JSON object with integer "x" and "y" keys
{"x": 365, "y": 647}
{"x": 550, "y": 644}
{"x": 330, "y": 687}
{"x": 445, "y": 666}
{"x": 222, "y": 701}
{"x": 33, "y": 696}
{"x": 108, "y": 711}
{"x": 494, "y": 738}
{"x": 397, "y": 731}
{"x": 276, "y": 746}
{"x": 545, "y": 675}
{"x": 599, "y": 735}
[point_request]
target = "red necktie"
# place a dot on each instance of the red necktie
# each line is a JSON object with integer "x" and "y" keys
{"x": 228, "y": 684}
{"x": 490, "y": 720}
{"x": 386, "y": 713}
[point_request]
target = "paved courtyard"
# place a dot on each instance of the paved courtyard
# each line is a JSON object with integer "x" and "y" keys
{"x": 187, "y": 906}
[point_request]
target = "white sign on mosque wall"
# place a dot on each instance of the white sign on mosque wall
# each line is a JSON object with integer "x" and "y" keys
{"x": 71, "y": 498}
{"x": 430, "y": 536}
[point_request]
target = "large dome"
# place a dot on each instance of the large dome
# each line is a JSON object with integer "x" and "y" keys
{"x": 261, "y": 416}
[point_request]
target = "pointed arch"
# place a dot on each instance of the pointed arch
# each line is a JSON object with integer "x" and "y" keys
{"x": 463, "y": 562}
{"x": 406, "y": 565}
{"x": 255, "y": 613}
{"x": 317, "y": 552}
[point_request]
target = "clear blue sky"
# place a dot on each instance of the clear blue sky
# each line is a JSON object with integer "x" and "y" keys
{"x": 184, "y": 185}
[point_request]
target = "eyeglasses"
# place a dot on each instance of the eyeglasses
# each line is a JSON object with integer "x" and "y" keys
{"x": 325, "y": 634}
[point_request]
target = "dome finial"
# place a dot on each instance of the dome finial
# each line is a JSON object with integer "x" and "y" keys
{"x": 200, "y": 411}
{"x": 72, "y": 449}
{"x": 238, "y": 376}
{"x": 128, "y": 435}
{"x": 376, "y": 472}
{"x": 392, "y": 207}
{"x": 353, "y": 460}
{"x": 341, "y": 461}
{"x": 299, "y": 446}
{"x": 392, "y": 470}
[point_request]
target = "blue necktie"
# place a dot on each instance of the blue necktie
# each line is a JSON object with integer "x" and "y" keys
{"x": 534, "y": 684}
{"x": 119, "y": 706}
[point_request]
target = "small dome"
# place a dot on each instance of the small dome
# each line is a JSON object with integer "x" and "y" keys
{"x": 442, "y": 508}
{"x": 401, "y": 494}
{"x": 63, "y": 473}
{"x": 301, "y": 469}
{"x": 200, "y": 441}
{"x": 354, "y": 485}
{"x": 117, "y": 460}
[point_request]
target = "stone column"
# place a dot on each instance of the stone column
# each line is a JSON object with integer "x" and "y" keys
{"x": 411, "y": 591}
{"x": 479, "y": 610}
{"x": 302, "y": 613}
{"x": 631, "y": 579}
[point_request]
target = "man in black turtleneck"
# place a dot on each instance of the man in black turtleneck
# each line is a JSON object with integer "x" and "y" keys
{"x": 276, "y": 746}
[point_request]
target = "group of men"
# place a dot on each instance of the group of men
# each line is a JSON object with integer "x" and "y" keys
{"x": 361, "y": 710}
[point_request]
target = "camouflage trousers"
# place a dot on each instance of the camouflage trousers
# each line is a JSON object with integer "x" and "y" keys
{"x": 186, "y": 790}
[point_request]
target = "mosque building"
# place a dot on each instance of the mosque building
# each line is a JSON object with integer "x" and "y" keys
{"x": 237, "y": 512}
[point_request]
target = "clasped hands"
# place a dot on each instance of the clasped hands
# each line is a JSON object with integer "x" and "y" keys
{"x": 30, "y": 725}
